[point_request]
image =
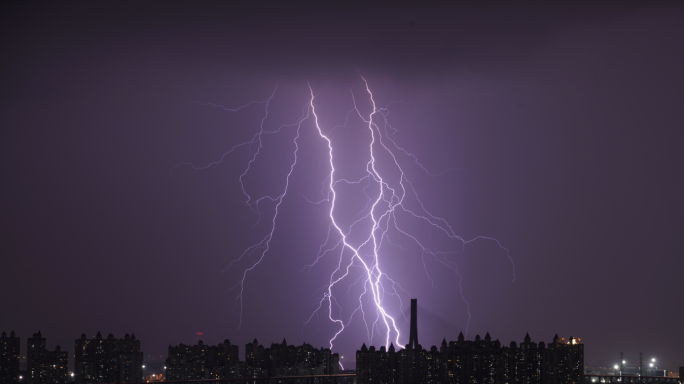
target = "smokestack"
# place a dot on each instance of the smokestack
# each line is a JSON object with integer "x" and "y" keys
{"x": 413, "y": 337}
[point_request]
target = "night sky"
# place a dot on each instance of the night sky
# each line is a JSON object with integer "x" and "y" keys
{"x": 556, "y": 130}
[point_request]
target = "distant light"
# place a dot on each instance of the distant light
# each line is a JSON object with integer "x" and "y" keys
{"x": 651, "y": 364}
{"x": 143, "y": 366}
{"x": 199, "y": 333}
{"x": 164, "y": 367}
{"x": 72, "y": 374}
{"x": 616, "y": 366}
{"x": 653, "y": 359}
{"x": 21, "y": 377}
{"x": 624, "y": 362}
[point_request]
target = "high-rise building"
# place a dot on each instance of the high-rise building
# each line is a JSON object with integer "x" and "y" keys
{"x": 289, "y": 360}
{"x": 43, "y": 366}
{"x": 10, "y": 348}
{"x": 564, "y": 361}
{"x": 200, "y": 361}
{"x": 108, "y": 360}
{"x": 256, "y": 359}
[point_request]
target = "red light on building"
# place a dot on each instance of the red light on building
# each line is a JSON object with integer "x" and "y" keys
{"x": 199, "y": 333}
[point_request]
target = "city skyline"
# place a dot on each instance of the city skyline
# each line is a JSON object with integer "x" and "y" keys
{"x": 485, "y": 359}
{"x": 553, "y": 129}
{"x": 232, "y": 350}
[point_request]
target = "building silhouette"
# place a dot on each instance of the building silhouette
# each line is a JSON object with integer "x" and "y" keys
{"x": 200, "y": 361}
{"x": 482, "y": 361}
{"x": 10, "y": 349}
{"x": 289, "y": 360}
{"x": 108, "y": 360}
{"x": 43, "y": 366}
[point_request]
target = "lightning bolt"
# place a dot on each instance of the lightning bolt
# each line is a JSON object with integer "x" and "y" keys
{"x": 391, "y": 201}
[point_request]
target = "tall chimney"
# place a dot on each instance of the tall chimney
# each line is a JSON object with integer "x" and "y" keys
{"x": 413, "y": 337}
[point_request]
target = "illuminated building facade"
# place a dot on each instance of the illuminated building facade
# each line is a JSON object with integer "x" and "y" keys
{"x": 200, "y": 361}
{"x": 43, "y": 366}
{"x": 10, "y": 349}
{"x": 108, "y": 360}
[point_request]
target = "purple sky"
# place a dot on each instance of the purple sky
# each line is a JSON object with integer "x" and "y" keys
{"x": 562, "y": 128}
